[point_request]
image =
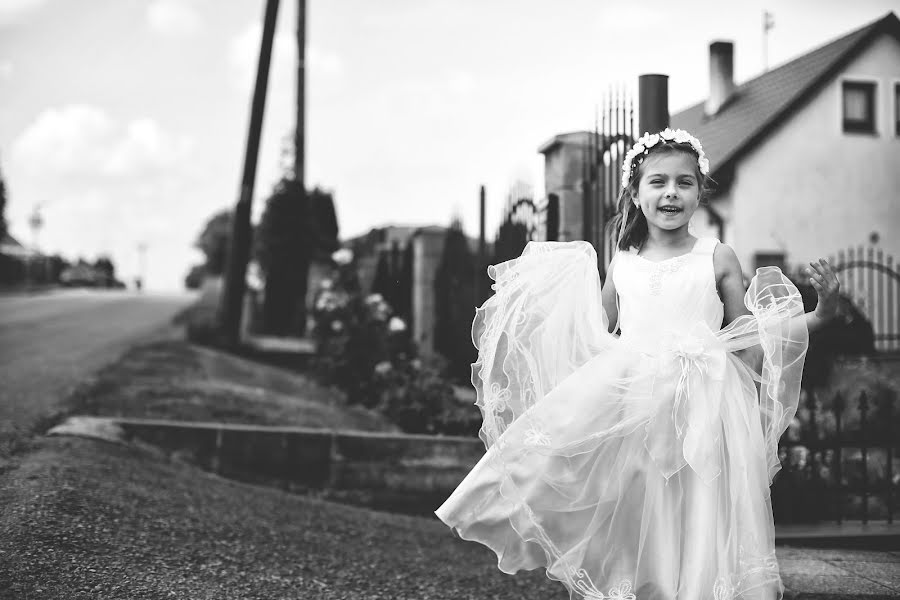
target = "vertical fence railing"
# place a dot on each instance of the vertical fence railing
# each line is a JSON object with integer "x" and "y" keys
{"x": 838, "y": 461}
{"x": 525, "y": 220}
{"x": 872, "y": 280}
{"x": 844, "y": 448}
{"x": 613, "y": 136}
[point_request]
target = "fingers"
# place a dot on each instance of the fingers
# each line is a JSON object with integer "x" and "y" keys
{"x": 822, "y": 277}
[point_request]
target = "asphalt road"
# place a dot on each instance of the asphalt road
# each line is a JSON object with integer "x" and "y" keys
{"x": 49, "y": 343}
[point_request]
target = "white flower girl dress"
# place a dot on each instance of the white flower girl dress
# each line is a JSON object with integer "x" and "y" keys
{"x": 635, "y": 466}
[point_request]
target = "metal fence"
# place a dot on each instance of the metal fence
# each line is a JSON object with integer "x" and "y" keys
{"x": 614, "y": 135}
{"x": 840, "y": 460}
{"x": 872, "y": 280}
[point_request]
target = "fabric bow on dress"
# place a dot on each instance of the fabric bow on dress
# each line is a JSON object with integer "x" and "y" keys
{"x": 689, "y": 432}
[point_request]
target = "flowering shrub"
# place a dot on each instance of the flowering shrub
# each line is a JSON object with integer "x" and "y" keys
{"x": 418, "y": 399}
{"x": 367, "y": 350}
{"x": 351, "y": 331}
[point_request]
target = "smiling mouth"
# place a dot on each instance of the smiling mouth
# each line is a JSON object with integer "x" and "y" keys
{"x": 669, "y": 210}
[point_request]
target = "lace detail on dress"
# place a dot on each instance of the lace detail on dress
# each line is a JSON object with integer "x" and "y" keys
{"x": 622, "y": 591}
{"x": 662, "y": 269}
{"x": 751, "y": 564}
{"x": 723, "y": 590}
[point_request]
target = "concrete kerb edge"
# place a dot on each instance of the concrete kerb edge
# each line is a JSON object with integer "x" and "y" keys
{"x": 308, "y": 457}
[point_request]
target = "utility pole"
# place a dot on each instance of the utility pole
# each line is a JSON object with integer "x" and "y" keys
{"x": 239, "y": 246}
{"x": 482, "y": 248}
{"x": 141, "y": 278}
{"x": 36, "y": 222}
{"x": 300, "y": 135}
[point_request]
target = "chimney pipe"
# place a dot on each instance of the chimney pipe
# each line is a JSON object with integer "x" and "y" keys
{"x": 721, "y": 75}
{"x": 653, "y": 103}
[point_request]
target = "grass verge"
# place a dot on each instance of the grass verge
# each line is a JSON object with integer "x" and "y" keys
{"x": 173, "y": 379}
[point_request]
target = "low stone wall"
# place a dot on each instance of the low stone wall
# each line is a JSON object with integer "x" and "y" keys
{"x": 399, "y": 472}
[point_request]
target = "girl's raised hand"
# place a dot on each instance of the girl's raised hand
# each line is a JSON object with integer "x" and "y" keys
{"x": 827, "y": 286}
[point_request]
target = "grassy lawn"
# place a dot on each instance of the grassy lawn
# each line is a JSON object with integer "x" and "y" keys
{"x": 172, "y": 379}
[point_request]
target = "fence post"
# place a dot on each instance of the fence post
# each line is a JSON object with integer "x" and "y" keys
{"x": 838, "y": 407}
{"x": 863, "y": 411}
{"x": 552, "y": 222}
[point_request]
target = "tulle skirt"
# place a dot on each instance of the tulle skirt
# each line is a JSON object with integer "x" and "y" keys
{"x": 630, "y": 468}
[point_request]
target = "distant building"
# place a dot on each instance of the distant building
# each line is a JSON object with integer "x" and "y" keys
{"x": 806, "y": 156}
{"x": 10, "y": 246}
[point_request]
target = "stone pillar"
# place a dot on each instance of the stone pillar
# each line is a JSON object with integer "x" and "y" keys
{"x": 428, "y": 244}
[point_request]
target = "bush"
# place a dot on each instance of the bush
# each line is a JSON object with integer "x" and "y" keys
{"x": 419, "y": 400}
{"x": 367, "y": 351}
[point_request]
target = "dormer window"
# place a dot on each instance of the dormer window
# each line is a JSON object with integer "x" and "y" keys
{"x": 859, "y": 106}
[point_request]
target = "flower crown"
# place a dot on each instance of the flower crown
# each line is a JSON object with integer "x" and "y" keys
{"x": 647, "y": 141}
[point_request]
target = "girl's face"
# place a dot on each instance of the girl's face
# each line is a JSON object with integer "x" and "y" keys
{"x": 668, "y": 190}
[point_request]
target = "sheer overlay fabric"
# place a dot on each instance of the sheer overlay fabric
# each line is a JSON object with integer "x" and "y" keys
{"x": 634, "y": 466}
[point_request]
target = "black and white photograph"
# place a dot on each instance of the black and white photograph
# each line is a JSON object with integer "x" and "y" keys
{"x": 449, "y": 300}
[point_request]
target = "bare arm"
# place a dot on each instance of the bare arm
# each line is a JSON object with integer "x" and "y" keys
{"x": 730, "y": 285}
{"x": 729, "y": 282}
{"x": 608, "y": 297}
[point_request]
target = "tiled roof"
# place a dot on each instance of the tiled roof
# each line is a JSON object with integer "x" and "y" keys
{"x": 758, "y": 105}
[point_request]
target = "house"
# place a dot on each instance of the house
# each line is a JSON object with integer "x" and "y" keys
{"x": 10, "y": 246}
{"x": 806, "y": 156}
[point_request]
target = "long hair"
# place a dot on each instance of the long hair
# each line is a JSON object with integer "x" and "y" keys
{"x": 629, "y": 225}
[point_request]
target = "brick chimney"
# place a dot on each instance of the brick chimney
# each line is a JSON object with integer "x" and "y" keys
{"x": 721, "y": 75}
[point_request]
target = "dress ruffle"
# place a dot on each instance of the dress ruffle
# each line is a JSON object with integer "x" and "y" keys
{"x": 594, "y": 441}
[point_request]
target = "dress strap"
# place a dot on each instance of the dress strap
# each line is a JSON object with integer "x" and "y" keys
{"x": 705, "y": 245}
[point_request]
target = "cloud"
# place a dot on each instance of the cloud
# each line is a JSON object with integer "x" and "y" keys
{"x": 172, "y": 17}
{"x": 82, "y": 140}
{"x": 6, "y": 68}
{"x": 15, "y": 11}
{"x": 104, "y": 185}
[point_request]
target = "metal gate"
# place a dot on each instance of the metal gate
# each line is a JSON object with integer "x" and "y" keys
{"x": 872, "y": 280}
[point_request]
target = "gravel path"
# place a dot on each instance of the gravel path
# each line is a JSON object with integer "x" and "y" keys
{"x": 88, "y": 519}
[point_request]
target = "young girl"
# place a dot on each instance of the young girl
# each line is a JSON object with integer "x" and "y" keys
{"x": 637, "y": 466}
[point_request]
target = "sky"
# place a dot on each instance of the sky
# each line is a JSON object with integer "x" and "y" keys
{"x": 125, "y": 122}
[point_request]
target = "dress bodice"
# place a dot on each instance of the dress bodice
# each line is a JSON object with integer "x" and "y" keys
{"x": 671, "y": 295}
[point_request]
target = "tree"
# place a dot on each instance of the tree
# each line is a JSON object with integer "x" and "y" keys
{"x": 194, "y": 279}
{"x": 296, "y": 228}
{"x": 321, "y": 204}
{"x": 511, "y": 240}
{"x": 405, "y": 286}
{"x": 454, "y": 305}
{"x": 383, "y": 283}
{"x": 2, "y": 208}
{"x": 106, "y": 269}
{"x": 213, "y": 242}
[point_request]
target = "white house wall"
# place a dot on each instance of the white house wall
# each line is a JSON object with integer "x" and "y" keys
{"x": 810, "y": 189}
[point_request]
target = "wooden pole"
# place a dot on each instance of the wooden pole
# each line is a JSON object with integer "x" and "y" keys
{"x": 300, "y": 134}
{"x": 239, "y": 245}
